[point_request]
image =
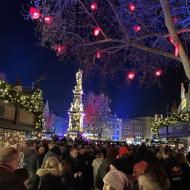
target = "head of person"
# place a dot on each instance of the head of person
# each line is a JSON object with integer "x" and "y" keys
{"x": 115, "y": 180}
{"x": 42, "y": 150}
{"x": 123, "y": 150}
{"x": 51, "y": 163}
{"x": 73, "y": 152}
{"x": 100, "y": 156}
{"x": 51, "y": 145}
{"x": 140, "y": 168}
{"x": 112, "y": 152}
{"x": 168, "y": 153}
{"x": 9, "y": 156}
{"x": 154, "y": 177}
{"x": 181, "y": 158}
{"x": 31, "y": 144}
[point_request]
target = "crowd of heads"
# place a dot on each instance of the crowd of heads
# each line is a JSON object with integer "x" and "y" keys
{"x": 111, "y": 166}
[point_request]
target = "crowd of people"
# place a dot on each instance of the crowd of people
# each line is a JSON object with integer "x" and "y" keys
{"x": 80, "y": 165}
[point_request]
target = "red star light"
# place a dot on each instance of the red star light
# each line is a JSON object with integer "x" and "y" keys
{"x": 131, "y": 75}
{"x": 34, "y": 13}
{"x": 137, "y": 28}
{"x": 48, "y": 19}
{"x": 93, "y": 6}
{"x": 98, "y": 54}
{"x": 158, "y": 72}
{"x": 131, "y": 6}
{"x": 96, "y": 31}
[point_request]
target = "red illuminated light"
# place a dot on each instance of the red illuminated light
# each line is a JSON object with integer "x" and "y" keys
{"x": 131, "y": 6}
{"x": 131, "y": 75}
{"x": 137, "y": 28}
{"x": 34, "y": 13}
{"x": 48, "y": 19}
{"x": 93, "y": 6}
{"x": 96, "y": 31}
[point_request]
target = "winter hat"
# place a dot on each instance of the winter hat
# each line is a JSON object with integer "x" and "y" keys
{"x": 116, "y": 179}
{"x": 123, "y": 150}
{"x": 140, "y": 167}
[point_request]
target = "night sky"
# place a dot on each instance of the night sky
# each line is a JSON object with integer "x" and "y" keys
{"x": 21, "y": 56}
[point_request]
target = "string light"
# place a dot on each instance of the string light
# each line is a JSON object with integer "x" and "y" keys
{"x": 48, "y": 19}
{"x": 158, "y": 72}
{"x": 131, "y": 75}
{"x": 93, "y": 6}
{"x": 96, "y": 31}
{"x": 34, "y": 13}
{"x": 98, "y": 54}
{"x": 137, "y": 28}
{"x": 132, "y": 6}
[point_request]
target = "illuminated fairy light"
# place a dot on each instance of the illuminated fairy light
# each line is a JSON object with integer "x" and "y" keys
{"x": 158, "y": 72}
{"x": 94, "y": 6}
{"x": 136, "y": 28}
{"x": 131, "y": 75}
{"x": 48, "y": 19}
{"x": 132, "y": 6}
{"x": 59, "y": 49}
{"x": 98, "y": 54}
{"x": 96, "y": 31}
{"x": 34, "y": 13}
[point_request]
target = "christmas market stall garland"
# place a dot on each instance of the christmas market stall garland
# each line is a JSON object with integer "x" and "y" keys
{"x": 174, "y": 118}
{"x": 30, "y": 102}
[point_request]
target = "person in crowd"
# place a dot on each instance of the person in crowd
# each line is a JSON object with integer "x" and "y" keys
{"x": 22, "y": 177}
{"x": 49, "y": 175}
{"x": 104, "y": 168}
{"x": 154, "y": 178}
{"x": 185, "y": 166}
{"x": 9, "y": 159}
{"x": 54, "y": 150}
{"x": 66, "y": 176}
{"x": 77, "y": 169}
{"x": 173, "y": 169}
{"x": 188, "y": 156}
{"x": 125, "y": 160}
{"x": 96, "y": 164}
{"x": 41, "y": 154}
{"x": 30, "y": 161}
{"x": 115, "y": 180}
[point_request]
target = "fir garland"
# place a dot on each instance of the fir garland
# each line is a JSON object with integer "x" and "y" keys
{"x": 32, "y": 103}
{"x": 174, "y": 118}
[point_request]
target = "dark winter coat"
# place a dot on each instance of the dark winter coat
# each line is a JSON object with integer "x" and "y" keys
{"x": 174, "y": 172}
{"x": 30, "y": 162}
{"x": 8, "y": 179}
{"x": 49, "y": 179}
{"x": 102, "y": 171}
{"x": 77, "y": 165}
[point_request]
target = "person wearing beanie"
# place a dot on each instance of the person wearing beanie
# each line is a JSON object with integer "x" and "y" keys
{"x": 123, "y": 150}
{"x": 115, "y": 180}
{"x": 139, "y": 168}
{"x": 125, "y": 160}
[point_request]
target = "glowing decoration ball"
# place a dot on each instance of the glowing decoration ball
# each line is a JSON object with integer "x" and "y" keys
{"x": 34, "y": 13}
{"x": 96, "y": 31}
{"x": 137, "y": 28}
{"x": 131, "y": 75}
{"x": 93, "y": 6}
{"x": 48, "y": 19}
{"x": 158, "y": 72}
{"x": 132, "y": 6}
{"x": 59, "y": 49}
{"x": 98, "y": 54}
